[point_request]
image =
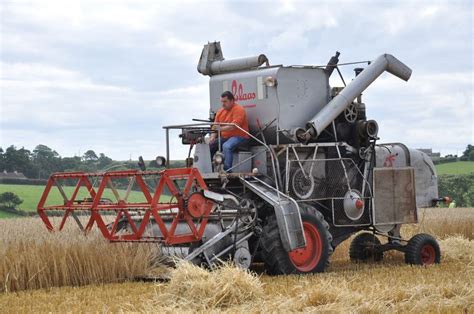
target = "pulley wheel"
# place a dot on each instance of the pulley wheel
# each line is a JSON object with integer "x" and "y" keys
{"x": 242, "y": 258}
{"x": 198, "y": 205}
{"x": 302, "y": 185}
{"x": 351, "y": 113}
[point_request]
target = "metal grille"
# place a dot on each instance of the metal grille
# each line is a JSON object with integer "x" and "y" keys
{"x": 395, "y": 197}
{"x": 329, "y": 182}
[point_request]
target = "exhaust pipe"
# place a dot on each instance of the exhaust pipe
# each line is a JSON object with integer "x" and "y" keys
{"x": 223, "y": 66}
{"x": 212, "y": 61}
{"x": 338, "y": 104}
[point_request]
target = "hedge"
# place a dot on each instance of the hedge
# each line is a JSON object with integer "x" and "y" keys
{"x": 458, "y": 187}
{"x": 20, "y": 181}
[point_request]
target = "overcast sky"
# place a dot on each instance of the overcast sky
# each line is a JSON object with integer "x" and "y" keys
{"x": 107, "y": 75}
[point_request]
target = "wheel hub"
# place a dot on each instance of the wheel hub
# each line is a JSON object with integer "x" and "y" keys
{"x": 428, "y": 254}
{"x": 353, "y": 205}
{"x": 305, "y": 259}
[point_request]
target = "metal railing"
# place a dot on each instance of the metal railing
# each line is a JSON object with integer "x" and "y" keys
{"x": 210, "y": 124}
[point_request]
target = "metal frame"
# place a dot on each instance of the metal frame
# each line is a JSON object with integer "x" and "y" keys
{"x": 175, "y": 210}
{"x": 233, "y": 228}
{"x": 289, "y": 240}
{"x": 286, "y": 210}
{"x": 370, "y": 207}
{"x": 367, "y": 199}
{"x": 267, "y": 147}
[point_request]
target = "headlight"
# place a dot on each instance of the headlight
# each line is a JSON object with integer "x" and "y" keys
{"x": 218, "y": 158}
{"x": 270, "y": 81}
{"x": 160, "y": 161}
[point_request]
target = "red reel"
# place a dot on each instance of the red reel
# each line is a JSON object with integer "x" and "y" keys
{"x": 186, "y": 205}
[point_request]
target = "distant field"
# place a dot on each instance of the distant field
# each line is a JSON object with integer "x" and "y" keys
{"x": 31, "y": 194}
{"x": 6, "y": 215}
{"x": 459, "y": 167}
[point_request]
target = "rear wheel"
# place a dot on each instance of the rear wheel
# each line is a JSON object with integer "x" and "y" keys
{"x": 310, "y": 259}
{"x": 364, "y": 248}
{"x": 422, "y": 249}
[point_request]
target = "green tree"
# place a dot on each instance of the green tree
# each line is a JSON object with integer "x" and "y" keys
{"x": 153, "y": 164}
{"x": 17, "y": 159}
{"x": 9, "y": 200}
{"x": 459, "y": 187}
{"x": 104, "y": 161}
{"x": 468, "y": 154}
{"x": 71, "y": 163}
{"x": 46, "y": 160}
{"x": 2, "y": 159}
{"x": 90, "y": 156}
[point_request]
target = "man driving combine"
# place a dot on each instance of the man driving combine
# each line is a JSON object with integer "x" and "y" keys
{"x": 231, "y": 136}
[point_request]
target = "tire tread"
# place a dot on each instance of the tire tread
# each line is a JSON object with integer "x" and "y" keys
{"x": 413, "y": 248}
{"x": 357, "y": 252}
{"x": 276, "y": 258}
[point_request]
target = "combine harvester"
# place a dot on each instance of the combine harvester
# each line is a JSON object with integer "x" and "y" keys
{"x": 311, "y": 176}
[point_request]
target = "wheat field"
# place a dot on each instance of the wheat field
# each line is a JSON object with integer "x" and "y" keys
{"x": 98, "y": 276}
{"x": 33, "y": 258}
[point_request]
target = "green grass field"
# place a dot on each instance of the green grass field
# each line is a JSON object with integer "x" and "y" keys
{"x": 6, "y": 215}
{"x": 31, "y": 194}
{"x": 459, "y": 167}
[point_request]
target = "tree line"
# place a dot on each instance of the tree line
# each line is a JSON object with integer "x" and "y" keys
{"x": 43, "y": 161}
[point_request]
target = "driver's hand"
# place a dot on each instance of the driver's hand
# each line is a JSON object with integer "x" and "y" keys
{"x": 211, "y": 139}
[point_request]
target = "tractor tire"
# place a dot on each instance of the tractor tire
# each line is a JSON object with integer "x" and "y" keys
{"x": 362, "y": 248}
{"x": 314, "y": 258}
{"x": 422, "y": 249}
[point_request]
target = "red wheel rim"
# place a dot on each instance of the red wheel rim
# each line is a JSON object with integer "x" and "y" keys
{"x": 428, "y": 254}
{"x": 306, "y": 259}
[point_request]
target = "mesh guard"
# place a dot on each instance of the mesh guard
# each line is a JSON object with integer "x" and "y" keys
{"x": 394, "y": 196}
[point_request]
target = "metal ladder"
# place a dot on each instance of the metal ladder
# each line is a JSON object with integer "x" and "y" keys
{"x": 287, "y": 212}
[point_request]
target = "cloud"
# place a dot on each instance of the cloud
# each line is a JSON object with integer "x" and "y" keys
{"x": 80, "y": 74}
{"x": 431, "y": 110}
{"x": 183, "y": 47}
{"x": 68, "y": 111}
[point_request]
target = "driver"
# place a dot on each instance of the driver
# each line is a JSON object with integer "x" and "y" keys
{"x": 231, "y": 136}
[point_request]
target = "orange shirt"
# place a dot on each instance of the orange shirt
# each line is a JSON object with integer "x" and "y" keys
{"x": 235, "y": 115}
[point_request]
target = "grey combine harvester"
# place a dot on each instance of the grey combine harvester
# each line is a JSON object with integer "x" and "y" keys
{"x": 312, "y": 175}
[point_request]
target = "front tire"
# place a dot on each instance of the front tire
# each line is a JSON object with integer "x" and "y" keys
{"x": 422, "y": 249}
{"x": 313, "y": 258}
